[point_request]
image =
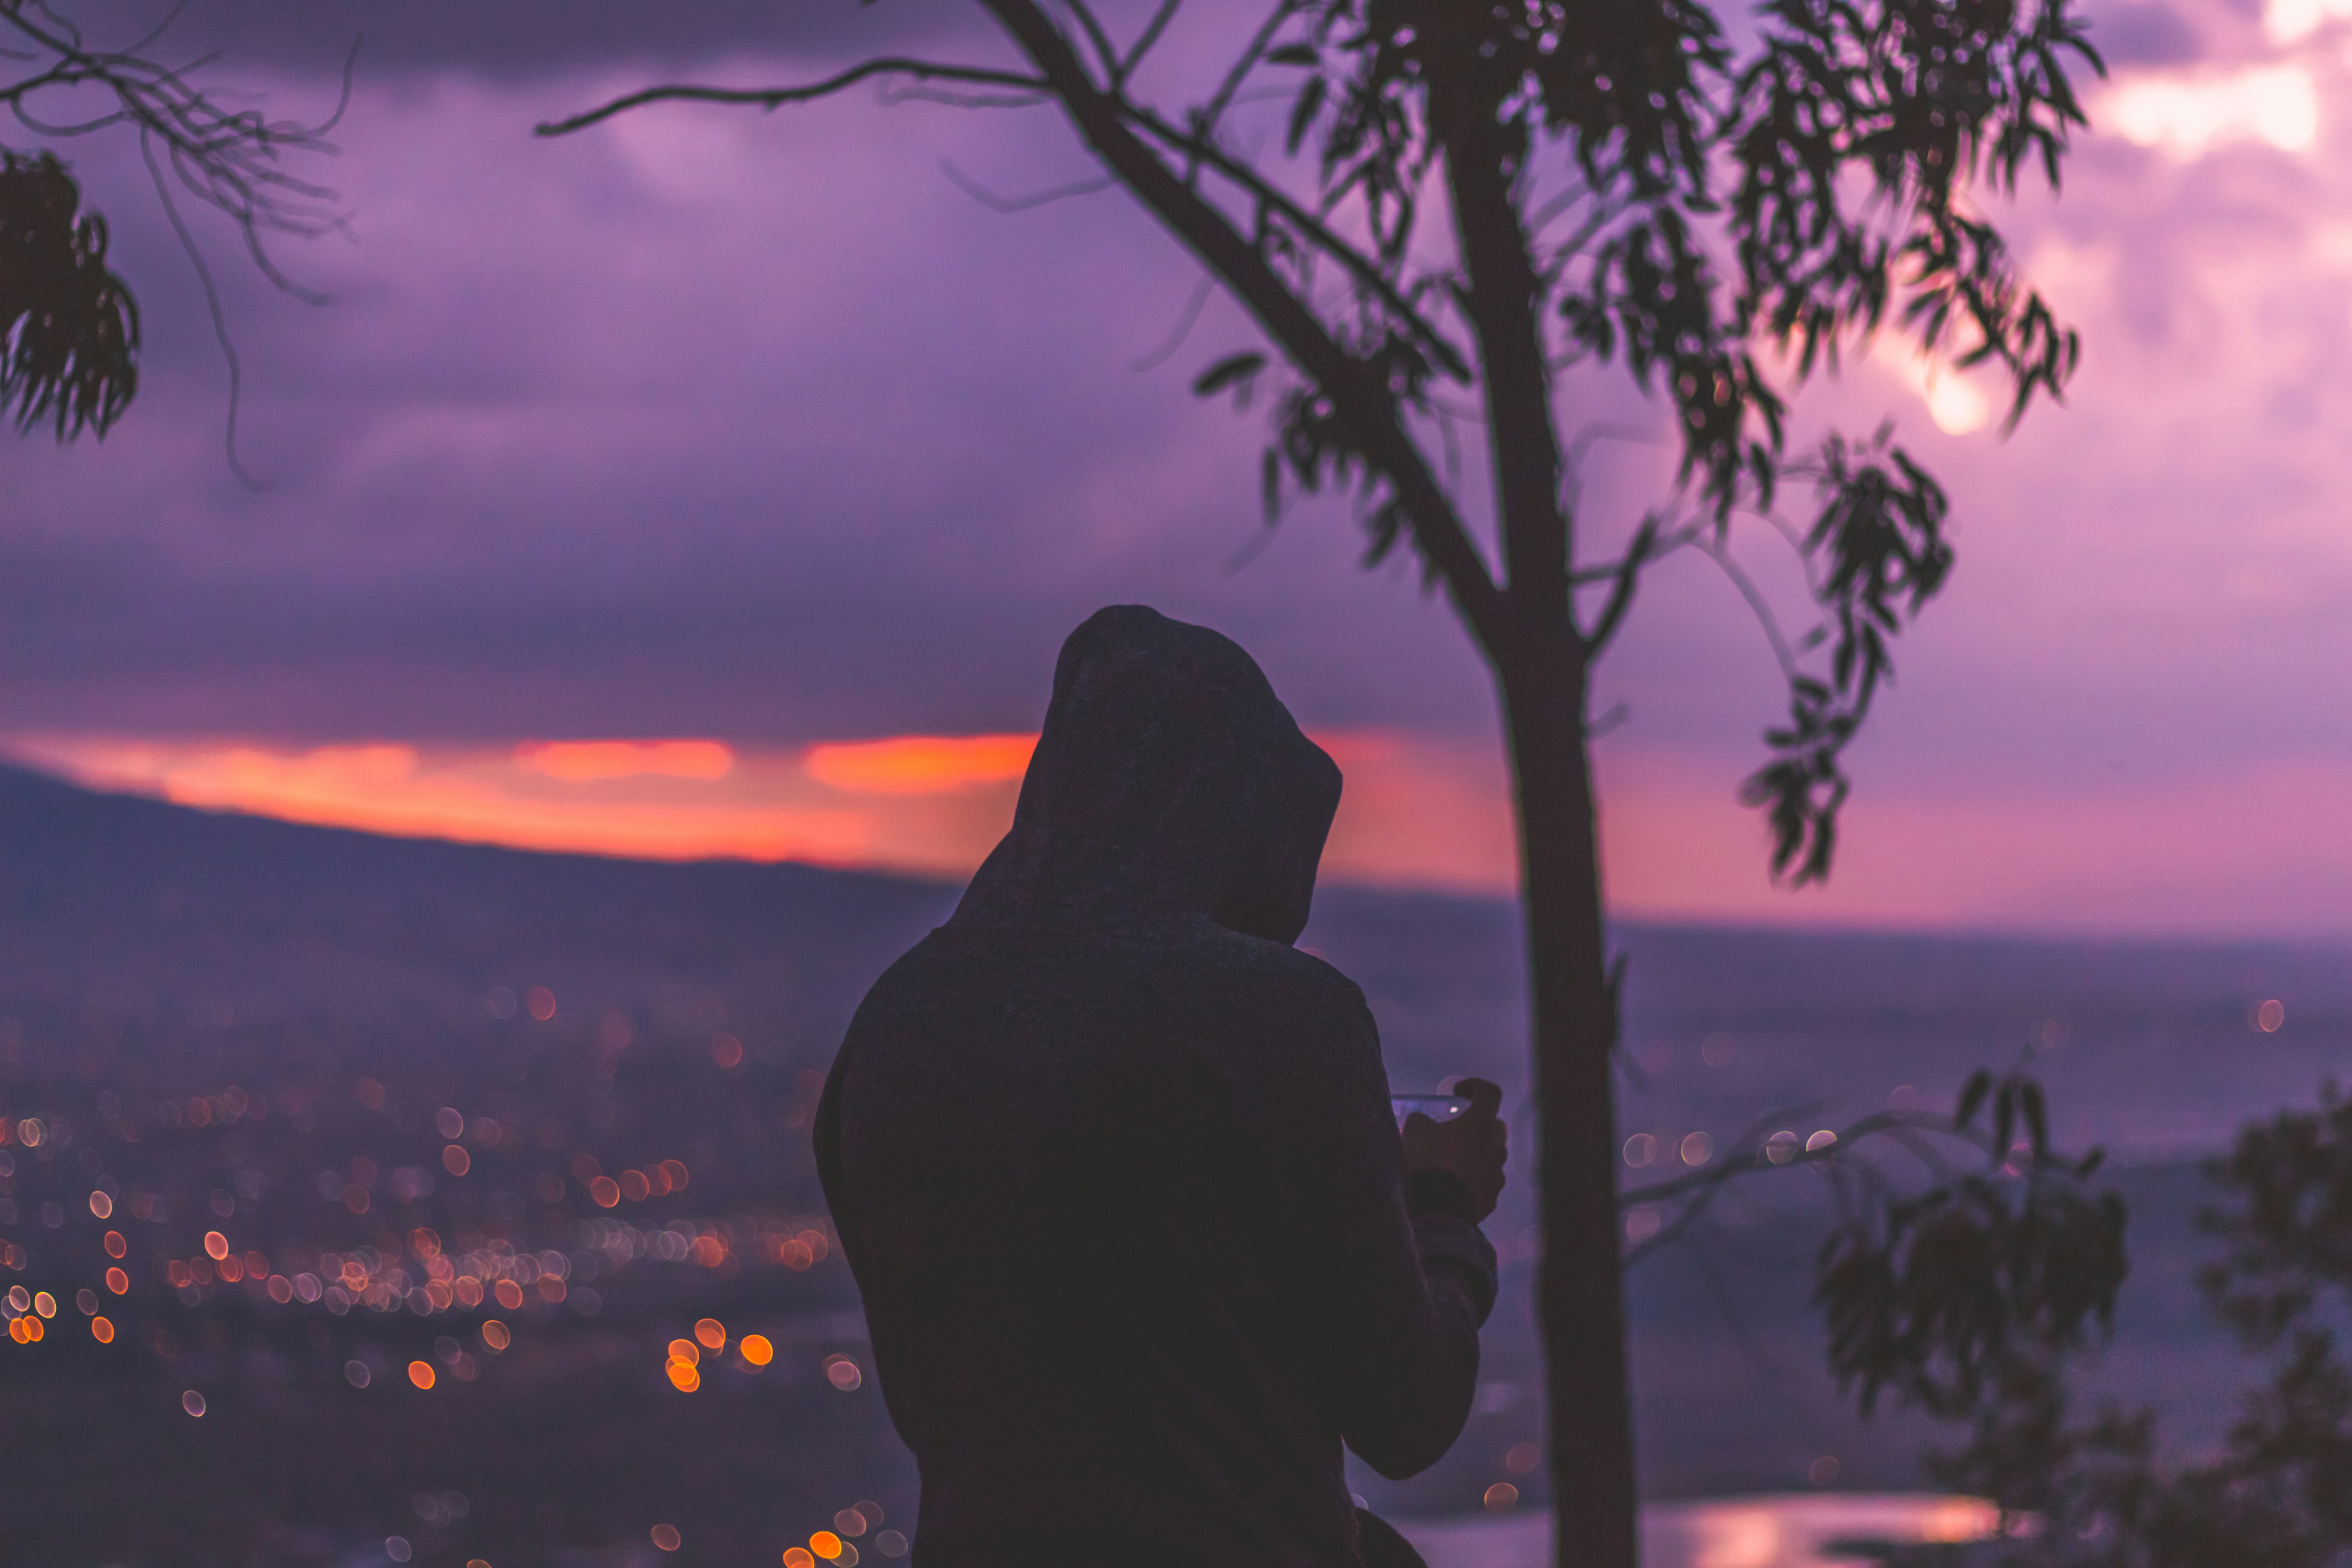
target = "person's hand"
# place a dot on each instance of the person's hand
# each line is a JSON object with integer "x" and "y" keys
{"x": 1473, "y": 1146}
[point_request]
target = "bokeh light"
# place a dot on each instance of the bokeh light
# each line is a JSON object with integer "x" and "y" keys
{"x": 825, "y": 1545}
{"x": 755, "y": 1349}
{"x": 215, "y": 1245}
{"x": 666, "y": 1536}
{"x": 798, "y": 1557}
{"x": 193, "y": 1402}
{"x": 118, "y": 1281}
{"x": 420, "y": 1372}
{"x": 496, "y": 1334}
{"x": 101, "y": 1328}
{"x": 842, "y": 1373}
{"x": 712, "y": 1333}
{"x": 1501, "y": 1496}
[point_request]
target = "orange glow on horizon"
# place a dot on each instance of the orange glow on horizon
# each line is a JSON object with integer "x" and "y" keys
{"x": 1420, "y": 811}
{"x": 581, "y": 761}
{"x": 920, "y": 765}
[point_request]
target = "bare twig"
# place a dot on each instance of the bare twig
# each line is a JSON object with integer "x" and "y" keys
{"x": 1145, "y": 40}
{"x": 1009, "y": 204}
{"x": 777, "y": 97}
{"x": 1367, "y": 272}
{"x": 1185, "y": 321}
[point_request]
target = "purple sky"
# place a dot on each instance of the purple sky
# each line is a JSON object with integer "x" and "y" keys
{"x": 714, "y": 424}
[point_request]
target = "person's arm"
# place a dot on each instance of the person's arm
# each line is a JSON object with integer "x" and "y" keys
{"x": 1397, "y": 1290}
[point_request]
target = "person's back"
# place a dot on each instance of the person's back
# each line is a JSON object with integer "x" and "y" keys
{"x": 1115, "y": 1165}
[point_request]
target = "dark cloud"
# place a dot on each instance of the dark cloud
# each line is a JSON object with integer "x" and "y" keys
{"x": 523, "y": 38}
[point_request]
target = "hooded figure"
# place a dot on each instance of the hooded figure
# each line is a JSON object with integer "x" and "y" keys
{"x": 1115, "y": 1165}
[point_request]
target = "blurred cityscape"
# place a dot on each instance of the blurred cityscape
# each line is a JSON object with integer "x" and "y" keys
{"x": 367, "y": 1200}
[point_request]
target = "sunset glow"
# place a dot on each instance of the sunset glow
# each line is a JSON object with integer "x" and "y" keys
{"x": 578, "y": 762}
{"x": 920, "y": 765}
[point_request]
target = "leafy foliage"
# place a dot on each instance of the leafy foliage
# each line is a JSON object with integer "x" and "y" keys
{"x": 1936, "y": 1297}
{"x": 1720, "y": 222}
{"x": 68, "y": 328}
{"x": 1879, "y": 537}
{"x": 2278, "y": 1494}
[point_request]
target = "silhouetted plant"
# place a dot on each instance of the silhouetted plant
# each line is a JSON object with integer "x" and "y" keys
{"x": 1626, "y": 189}
{"x": 69, "y": 324}
{"x": 2099, "y": 1493}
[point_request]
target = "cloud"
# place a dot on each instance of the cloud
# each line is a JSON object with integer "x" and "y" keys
{"x": 753, "y": 428}
{"x": 522, "y": 38}
{"x": 2188, "y": 114}
{"x": 577, "y": 762}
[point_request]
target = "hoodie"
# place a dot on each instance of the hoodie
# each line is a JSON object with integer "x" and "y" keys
{"x": 1114, "y": 1164}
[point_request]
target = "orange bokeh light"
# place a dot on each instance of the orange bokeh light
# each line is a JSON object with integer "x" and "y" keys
{"x": 605, "y": 1191}
{"x": 510, "y": 1295}
{"x": 495, "y": 1334}
{"x": 712, "y": 1333}
{"x": 825, "y": 1545}
{"x": 103, "y": 1329}
{"x": 683, "y": 1377}
{"x": 456, "y": 1161}
{"x": 215, "y": 1245}
{"x": 798, "y": 1557}
{"x": 685, "y": 1351}
{"x": 755, "y": 1349}
{"x": 115, "y": 1246}
{"x": 420, "y": 1372}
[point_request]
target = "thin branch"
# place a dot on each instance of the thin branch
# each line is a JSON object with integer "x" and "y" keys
{"x": 1247, "y": 62}
{"x": 1782, "y": 649}
{"x": 776, "y": 98}
{"x": 1186, "y": 320}
{"x": 1320, "y": 234}
{"x": 1643, "y": 550}
{"x": 212, "y": 303}
{"x": 1364, "y": 401}
{"x": 1145, "y": 40}
{"x": 1104, "y": 51}
{"x": 1010, "y": 204}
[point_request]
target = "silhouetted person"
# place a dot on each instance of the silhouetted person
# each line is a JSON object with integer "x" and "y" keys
{"x": 1115, "y": 1164}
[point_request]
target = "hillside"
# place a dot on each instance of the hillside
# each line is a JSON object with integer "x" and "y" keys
{"x": 234, "y": 1027}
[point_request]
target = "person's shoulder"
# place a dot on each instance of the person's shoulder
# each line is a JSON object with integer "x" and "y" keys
{"x": 1277, "y": 980}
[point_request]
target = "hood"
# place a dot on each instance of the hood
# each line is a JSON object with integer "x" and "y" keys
{"x": 1168, "y": 780}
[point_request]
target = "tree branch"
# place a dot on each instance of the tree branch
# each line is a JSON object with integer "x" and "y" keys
{"x": 1501, "y": 297}
{"x": 1361, "y": 267}
{"x": 776, "y": 98}
{"x": 1145, "y": 39}
{"x": 1367, "y": 406}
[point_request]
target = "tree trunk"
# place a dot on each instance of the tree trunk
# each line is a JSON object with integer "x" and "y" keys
{"x": 1580, "y": 1296}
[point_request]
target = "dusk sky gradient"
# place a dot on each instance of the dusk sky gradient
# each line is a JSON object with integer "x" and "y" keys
{"x": 756, "y": 430}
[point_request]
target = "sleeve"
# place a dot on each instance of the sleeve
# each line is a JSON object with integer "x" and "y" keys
{"x": 1396, "y": 1292}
